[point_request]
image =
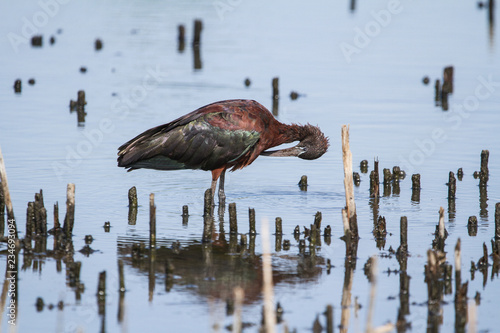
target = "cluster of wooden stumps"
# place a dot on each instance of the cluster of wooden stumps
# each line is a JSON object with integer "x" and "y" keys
{"x": 238, "y": 242}
{"x": 438, "y": 272}
{"x": 35, "y": 244}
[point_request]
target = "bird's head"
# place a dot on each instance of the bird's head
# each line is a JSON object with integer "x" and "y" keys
{"x": 312, "y": 145}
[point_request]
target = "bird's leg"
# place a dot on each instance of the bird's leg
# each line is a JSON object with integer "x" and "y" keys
{"x": 222, "y": 195}
{"x": 214, "y": 184}
{"x": 215, "y": 176}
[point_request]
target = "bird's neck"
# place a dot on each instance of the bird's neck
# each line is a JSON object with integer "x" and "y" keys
{"x": 290, "y": 133}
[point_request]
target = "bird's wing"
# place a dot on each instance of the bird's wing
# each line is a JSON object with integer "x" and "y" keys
{"x": 196, "y": 144}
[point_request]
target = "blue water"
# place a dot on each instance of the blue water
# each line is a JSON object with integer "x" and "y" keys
{"x": 139, "y": 80}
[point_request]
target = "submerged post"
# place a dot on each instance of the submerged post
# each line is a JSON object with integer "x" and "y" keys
{"x": 276, "y": 91}
{"x": 2, "y": 212}
{"x": 497, "y": 220}
{"x": 251, "y": 219}
{"x": 198, "y": 26}
{"x": 452, "y": 186}
{"x": 233, "y": 223}
{"x": 484, "y": 173}
{"x": 279, "y": 227}
{"x": 303, "y": 183}
{"x": 207, "y": 217}
{"x": 6, "y": 195}
{"x": 441, "y": 233}
{"x": 208, "y": 203}
{"x": 101, "y": 292}
{"x": 415, "y": 188}
{"x": 132, "y": 205}
{"x": 69, "y": 220}
{"x": 348, "y": 182}
{"x": 181, "y": 40}
{"x": 152, "y": 221}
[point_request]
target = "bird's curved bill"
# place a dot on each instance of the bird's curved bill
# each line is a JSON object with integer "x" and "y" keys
{"x": 293, "y": 151}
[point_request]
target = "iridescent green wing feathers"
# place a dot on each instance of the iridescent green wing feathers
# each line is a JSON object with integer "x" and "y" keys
{"x": 186, "y": 144}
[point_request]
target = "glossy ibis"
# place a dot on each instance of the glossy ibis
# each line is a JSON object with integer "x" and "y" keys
{"x": 219, "y": 136}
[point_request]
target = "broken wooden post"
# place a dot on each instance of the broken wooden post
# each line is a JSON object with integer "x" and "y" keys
{"x": 447, "y": 80}
{"x": 251, "y": 218}
{"x": 181, "y": 40}
{"x": 207, "y": 217}
{"x": 303, "y": 183}
{"x": 415, "y": 189}
{"x": 317, "y": 220}
{"x": 497, "y": 220}
{"x": 348, "y": 182}
{"x": 185, "y": 215}
{"x": 101, "y": 293}
{"x": 441, "y": 233}
{"x": 233, "y": 223}
{"x": 69, "y": 220}
{"x": 132, "y": 205}
{"x": 452, "y": 186}
{"x": 152, "y": 221}
{"x": 484, "y": 173}
{"x": 11, "y": 221}
{"x": 2, "y": 212}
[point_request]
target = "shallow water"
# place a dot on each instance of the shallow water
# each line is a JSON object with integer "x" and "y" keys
{"x": 139, "y": 80}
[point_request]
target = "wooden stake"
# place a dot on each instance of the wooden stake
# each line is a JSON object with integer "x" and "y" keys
{"x": 251, "y": 218}
{"x": 152, "y": 221}
{"x": 198, "y": 26}
{"x": 6, "y": 194}
{"x": 207, "y": 217}
{"x": 497, "y": 220}
{"x": 279, "y": 228}
{"x": 404, "y": 233}
{"x": 345, "y": 222}
{"x": 2, "y": 212}
{"x": 69, "y": 220}
{"x": 276, "y": 91}
{"x": 348, "y": 182}
{"x": 181, "y": 40}
{"x": 317, "y": 220}
{"x": 233, "y": 222}
{"x": 57, "y": 225}
{"x": 132, "y": 205}
{"x": 208, "y": 203}
{"x": 101, "y": 293}
{"x": 441, "y": 223}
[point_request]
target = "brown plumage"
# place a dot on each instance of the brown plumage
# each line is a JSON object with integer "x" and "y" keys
{"x": 224, "y": 135}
